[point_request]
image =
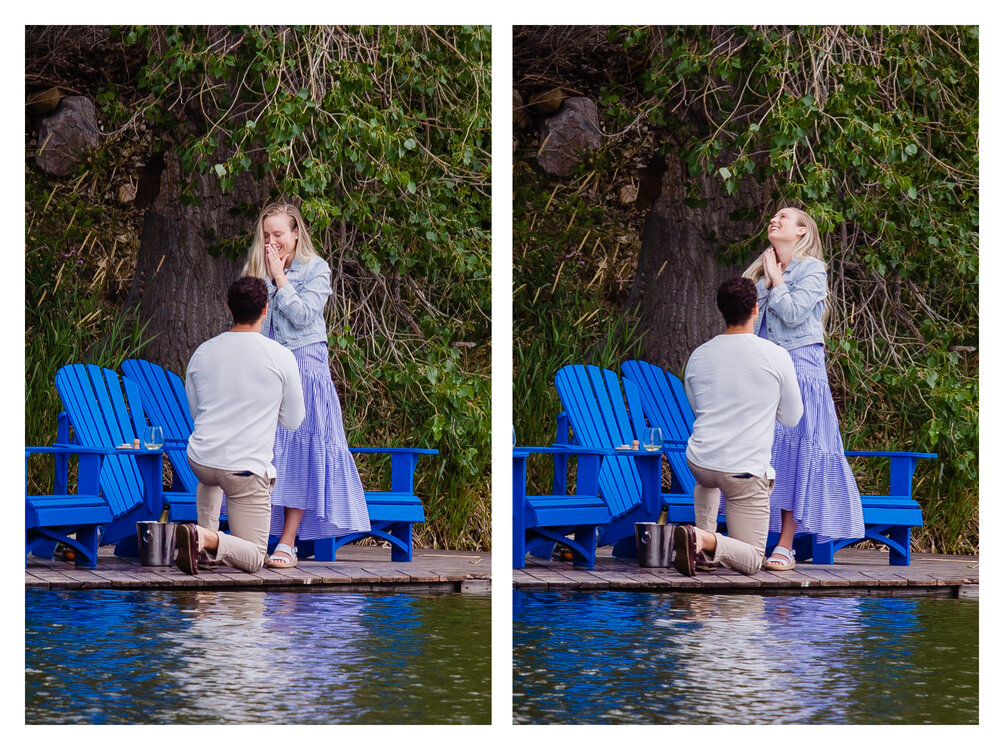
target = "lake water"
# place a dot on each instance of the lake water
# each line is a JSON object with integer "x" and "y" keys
{"x": 302, "y": 657}
{"x": 638, "y": 658}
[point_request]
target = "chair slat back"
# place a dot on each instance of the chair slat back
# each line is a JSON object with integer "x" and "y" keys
{"x": 105, "y": 412}
{"x": 165, "y": 403}
{"x": 600, "y": 417}
{"x": 666, "y": 406}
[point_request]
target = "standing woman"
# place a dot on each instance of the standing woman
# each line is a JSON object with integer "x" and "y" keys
{"x": 815, "y": 490}
{"x": 318, "y": 492}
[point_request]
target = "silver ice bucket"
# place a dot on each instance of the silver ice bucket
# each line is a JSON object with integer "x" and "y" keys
{"x": 157, "y": 543}
{"x": 654, "y": 543}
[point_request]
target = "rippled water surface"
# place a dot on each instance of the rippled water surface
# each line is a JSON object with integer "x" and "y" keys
{"x": 619, "y": 657}
{"x": 121, "y": 657}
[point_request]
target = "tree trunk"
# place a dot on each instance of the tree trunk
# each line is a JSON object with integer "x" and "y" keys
{"x": 680, "y": 264}
{"x": 181, "y": 289}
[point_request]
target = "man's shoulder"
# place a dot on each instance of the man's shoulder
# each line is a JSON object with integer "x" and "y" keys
{"x": 770, "y": 348}
{"x": 282, "y": 354}
{"x": 735, "y": 346}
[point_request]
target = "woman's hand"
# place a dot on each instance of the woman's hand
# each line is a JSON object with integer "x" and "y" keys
{"x": 772, "y": 269}
{"x": 275, "y": 265}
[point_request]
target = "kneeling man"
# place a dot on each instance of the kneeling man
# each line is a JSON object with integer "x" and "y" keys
{"x": 240, "y": 385}
{"x": 738, "y": 384}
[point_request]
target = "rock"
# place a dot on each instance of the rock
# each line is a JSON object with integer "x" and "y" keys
{"x": 522, "y": 118}
{"x": 44, "y": 102}
{"x": 568, "y": 135}
{"x": 126, "y": 193}
{"x": 628, "y": 194}
{"x": 67, "y": 134}
{"x": 548, "y": 102}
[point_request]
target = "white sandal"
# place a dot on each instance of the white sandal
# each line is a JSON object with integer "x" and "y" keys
{"x": 773, "y": 564}
{"x": 280, "y": 562}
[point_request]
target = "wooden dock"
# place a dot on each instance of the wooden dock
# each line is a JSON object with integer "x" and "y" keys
{"x": 357, "y": 569}
{"x": 856, "y": 571}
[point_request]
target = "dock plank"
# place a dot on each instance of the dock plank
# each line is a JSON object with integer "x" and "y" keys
{"x": 358, "y": 568}
{"x": 855, "y": 570}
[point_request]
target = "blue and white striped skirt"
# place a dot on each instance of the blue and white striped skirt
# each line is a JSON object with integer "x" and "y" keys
{"x": 813, "y": 478}
{"x": 316, "y": 471}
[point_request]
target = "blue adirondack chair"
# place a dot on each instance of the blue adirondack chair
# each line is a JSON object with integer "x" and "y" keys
{"x": 165, "y": 402}
{"x": 104, "y": 411}
{"x": 391, "y": 513}
{"x": 672, "y": 413}
{"x": 888, "y": 518}
{"x": 597, "y": 415}
{"x": 542, "y": 520}
{"x": 71, "y": 519}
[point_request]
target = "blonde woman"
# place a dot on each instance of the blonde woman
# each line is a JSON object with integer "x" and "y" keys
{"x": 318, "y": 492}
{"x": 815, "y": 490}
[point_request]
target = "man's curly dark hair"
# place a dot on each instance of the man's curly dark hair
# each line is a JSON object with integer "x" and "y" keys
{"x": 246, "y": 298}
{"x": 736, "y": 298}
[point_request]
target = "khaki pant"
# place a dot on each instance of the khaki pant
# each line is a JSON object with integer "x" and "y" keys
{"x": 748, "y": 510}
{"x": 248, "y": 508}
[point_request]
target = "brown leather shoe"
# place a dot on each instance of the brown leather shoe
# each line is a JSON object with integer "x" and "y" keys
{"x": 702, "y": 563}
{"x": 684, "y": 550}
{"x": 204, "y": 561}
{"x": 187, "y": 548}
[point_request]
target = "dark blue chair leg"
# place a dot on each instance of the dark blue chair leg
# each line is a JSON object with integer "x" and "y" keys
{"x": 543, "y": 549}
{"x": 88, "y": 539}
{"x": 325, "y": 550}
{"x": 127, "y": 547}
{"x": 901, "y": 536}
{"x": 306, "y": 548}
{"x": 625, "y": 548}
{"x": 586, "y": 537}
{"x": 518, "y": 544}
{"x": 803, "y": 544}
{"x": 403, "y": 531}
{"x": 822, "y": 554}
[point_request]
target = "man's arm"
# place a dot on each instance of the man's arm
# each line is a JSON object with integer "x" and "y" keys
{"x": 293, "y": 408}
{"x": 790, "y": 399}
{"x": 192, "y": 395}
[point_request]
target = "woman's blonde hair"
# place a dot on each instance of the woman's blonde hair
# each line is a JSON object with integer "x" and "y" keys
{"x": 808, "y": 246}
{"x": 256, "y": 265}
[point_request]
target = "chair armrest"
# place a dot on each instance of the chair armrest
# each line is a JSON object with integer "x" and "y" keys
{"x": 564, "y": 449}
{"x": 66, "y": 448}
{"x": 891, "y": 454}
{"x": 588, "y": 466}
{"x": 404, "y": 463}
{"x": 902, "y": 464}
{"x": 89, "y": 475}
{"x": 415, "y": 451}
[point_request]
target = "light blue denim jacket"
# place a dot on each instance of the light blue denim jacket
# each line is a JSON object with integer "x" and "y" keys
{"x": 297, "y": 308}
{"x": 795, "y": 309}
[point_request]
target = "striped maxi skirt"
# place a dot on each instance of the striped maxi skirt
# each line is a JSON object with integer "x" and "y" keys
{"x": 813, "y": 478}
{"x": 316, "y": 471}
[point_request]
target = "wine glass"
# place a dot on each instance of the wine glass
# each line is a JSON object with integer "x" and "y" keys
{"x": 652, "y": 438}
{"x": 153, "y": 437}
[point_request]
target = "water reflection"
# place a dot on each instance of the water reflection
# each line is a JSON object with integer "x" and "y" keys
{"x": 256, "y": 657}
{"x": 618, "y": 657}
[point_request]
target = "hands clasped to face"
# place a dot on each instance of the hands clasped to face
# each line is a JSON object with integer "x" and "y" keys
{"x": 275, "y": 259}
{"x": 279, "y": 245}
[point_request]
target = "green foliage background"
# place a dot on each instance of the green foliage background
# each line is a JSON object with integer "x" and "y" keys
{"x": 382, "y": 134}
{"x": 873, "y": 131}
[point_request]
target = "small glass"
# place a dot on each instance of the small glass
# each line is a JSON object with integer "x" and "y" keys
{"x": 652, "y": 438}
{"x": 153, "y": 438}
